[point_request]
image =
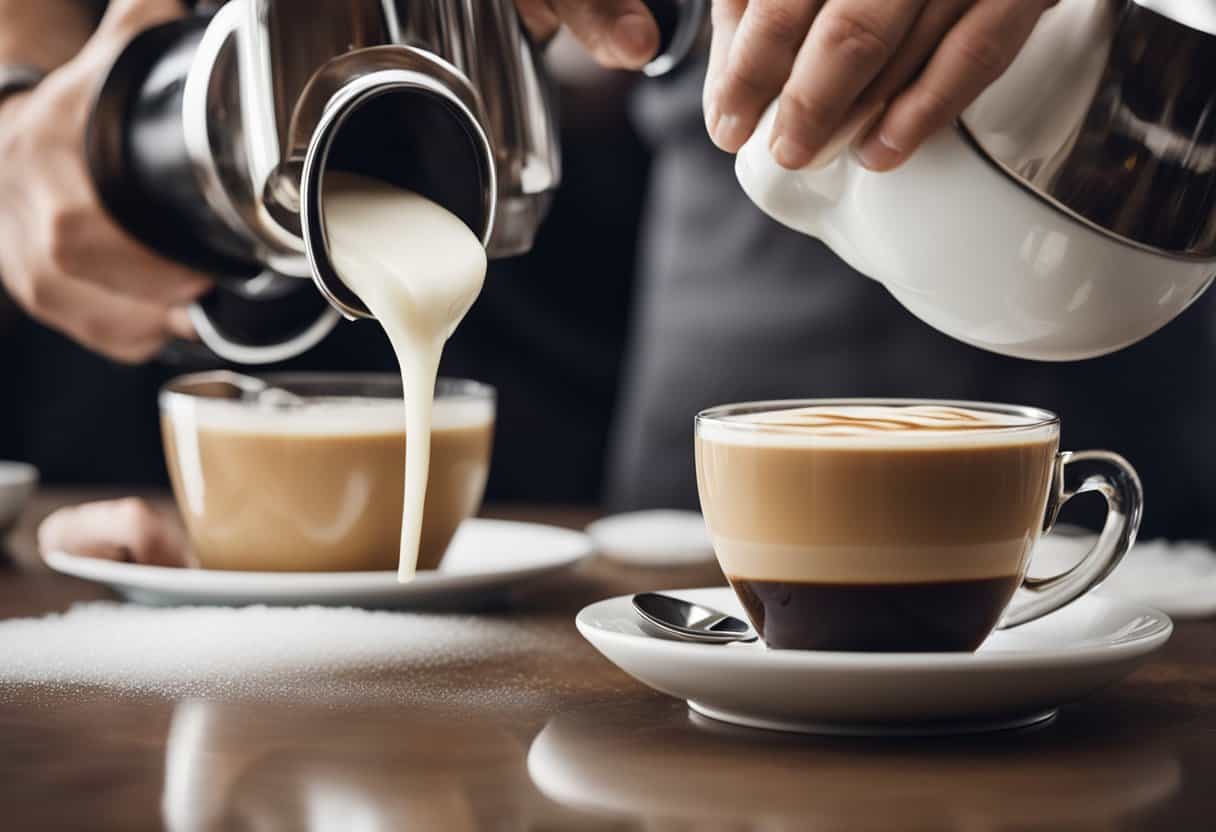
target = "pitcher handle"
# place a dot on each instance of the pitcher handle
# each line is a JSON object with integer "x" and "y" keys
{"x": 682, "y": 25}
{"x": 1075, "y": 473}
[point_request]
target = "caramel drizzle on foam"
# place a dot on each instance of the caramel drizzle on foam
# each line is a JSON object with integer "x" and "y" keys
{"x": 855, "y": 420}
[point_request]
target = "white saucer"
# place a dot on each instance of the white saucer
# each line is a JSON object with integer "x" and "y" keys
{"x": 1017, "y": 678}
{"x": 486, "y": 558}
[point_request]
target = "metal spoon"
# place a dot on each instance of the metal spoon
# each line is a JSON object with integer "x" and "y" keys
{"x": 258, "y": 390}
{"x": 688, "y": 621}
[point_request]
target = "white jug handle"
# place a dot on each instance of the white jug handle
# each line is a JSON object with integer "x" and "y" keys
{"x": 799, "y": 198}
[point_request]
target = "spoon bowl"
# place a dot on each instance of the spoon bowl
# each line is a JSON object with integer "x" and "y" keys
{"x": 687, "y": 621}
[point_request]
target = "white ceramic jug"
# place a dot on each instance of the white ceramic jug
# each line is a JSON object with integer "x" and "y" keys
{"x": 1063, "y": 217}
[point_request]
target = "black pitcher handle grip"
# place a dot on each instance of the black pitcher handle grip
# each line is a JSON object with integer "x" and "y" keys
{"x": 681, "y": 25}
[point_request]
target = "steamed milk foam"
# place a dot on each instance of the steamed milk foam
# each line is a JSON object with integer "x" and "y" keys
{"x": 874, "y": 526}
{"x": 418, "y": 269}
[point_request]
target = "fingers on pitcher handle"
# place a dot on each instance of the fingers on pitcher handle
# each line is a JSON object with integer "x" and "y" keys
{"x": 1078, "y": 472}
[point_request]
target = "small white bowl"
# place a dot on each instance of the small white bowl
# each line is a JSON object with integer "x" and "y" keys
{"x": 658, "y": 537}
{"x": 17, "y": 483}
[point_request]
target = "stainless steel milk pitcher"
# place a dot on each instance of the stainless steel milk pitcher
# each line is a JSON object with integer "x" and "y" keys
{"x": 211, "y": 135}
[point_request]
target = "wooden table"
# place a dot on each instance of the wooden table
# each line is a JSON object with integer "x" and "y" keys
{"x": 616, "y": 756}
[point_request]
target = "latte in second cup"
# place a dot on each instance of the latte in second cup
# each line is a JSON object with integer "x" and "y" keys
{"x": 314, "y": 484}
{"x": 874, "y": 527}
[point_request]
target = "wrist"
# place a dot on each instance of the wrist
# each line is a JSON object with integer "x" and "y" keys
{"x": 16, "y": 79}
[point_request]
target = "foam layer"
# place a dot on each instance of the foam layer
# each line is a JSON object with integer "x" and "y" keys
{"x": 325, "y": 417}
{"x": 876, "y": 426}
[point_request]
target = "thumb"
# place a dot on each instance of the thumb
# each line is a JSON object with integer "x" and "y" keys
{"x": 127, "y": 18}
{"x": 617, "y": 33}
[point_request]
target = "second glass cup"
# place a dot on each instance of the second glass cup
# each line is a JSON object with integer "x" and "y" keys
{"x": 304, "y": 472}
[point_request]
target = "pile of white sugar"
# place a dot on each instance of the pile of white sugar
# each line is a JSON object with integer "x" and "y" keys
{"x": 303, "y": 653}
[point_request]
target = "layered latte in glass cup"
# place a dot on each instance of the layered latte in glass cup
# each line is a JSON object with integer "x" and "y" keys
{"x": 897, "y": 525}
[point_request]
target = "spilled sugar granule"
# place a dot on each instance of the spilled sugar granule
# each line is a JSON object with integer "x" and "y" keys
{"x": 311, "y": 653}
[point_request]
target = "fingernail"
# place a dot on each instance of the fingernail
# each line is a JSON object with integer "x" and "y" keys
{"x": 635, "y": 38}
{"x": 790, "y": 153}
{"x": 712, "y": 117}
{"x": 878, "y": 153}
{"x": 728, "y": 132}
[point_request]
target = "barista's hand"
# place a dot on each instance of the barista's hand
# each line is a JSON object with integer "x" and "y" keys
{"x": 61, "y": 256}
{"x": 837, "y": 65}
{"x": 127, "y": 530}
{"x": 619, "y": 34}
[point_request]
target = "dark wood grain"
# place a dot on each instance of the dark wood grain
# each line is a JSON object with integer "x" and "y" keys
{"x": 1141, "y": 755}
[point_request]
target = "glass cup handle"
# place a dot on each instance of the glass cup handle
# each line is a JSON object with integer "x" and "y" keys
{"x": 1077, "y": 472}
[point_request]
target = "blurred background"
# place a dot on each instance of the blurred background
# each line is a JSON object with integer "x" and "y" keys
{"x": 656, "y": 289}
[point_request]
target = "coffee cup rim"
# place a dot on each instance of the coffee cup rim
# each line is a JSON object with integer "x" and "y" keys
{"x": 331, "y": 386}
{"x": 720, "y": 415}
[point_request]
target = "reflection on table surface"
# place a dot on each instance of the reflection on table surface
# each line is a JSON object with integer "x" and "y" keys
{"x": 270, "y": 767}
{"x": 684, "y": 769}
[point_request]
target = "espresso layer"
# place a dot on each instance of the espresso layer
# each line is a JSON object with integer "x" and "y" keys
{"x": 920, "y": 617}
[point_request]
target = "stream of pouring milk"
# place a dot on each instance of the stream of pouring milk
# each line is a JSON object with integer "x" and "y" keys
{"x": 418, "y": 268}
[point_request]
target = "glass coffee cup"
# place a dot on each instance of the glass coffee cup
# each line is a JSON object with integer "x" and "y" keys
{"x": 898, "y": 525}
{"x": 305, "y": 471}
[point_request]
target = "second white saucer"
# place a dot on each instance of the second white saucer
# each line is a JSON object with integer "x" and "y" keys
{"x": 1018, "y": 677}
{"x": 486, "y": 558}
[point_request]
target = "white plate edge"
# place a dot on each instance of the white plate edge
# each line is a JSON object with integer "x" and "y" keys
{"x": 896, "y": 662}
{"x": 212, "y": 581}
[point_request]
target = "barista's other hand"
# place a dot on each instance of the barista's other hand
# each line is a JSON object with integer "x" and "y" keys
{"x": 129, "y": 529}
{"x": 902, "y": 68}
{"x": 619, "y": 34}
{"x": 61, "y": 256}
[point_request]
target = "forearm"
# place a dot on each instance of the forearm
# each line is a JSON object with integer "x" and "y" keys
{"x": 45, "y": 33}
